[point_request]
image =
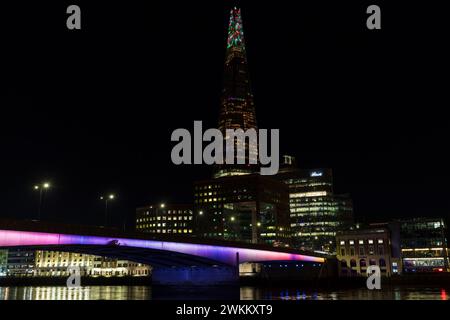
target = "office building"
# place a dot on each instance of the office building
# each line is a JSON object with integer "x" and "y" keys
{"x": 248, "y": 208}
{"x": 316, "y": 212}
{"x": 424, "y": 245}
{"x": 55, "y": 263}
{"x": 20, "y": 262}
{"x": 174, "y": 219}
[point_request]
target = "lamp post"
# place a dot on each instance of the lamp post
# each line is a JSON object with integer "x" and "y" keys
{"x": 42, "y": 188}
{"x": 106, "y": 199}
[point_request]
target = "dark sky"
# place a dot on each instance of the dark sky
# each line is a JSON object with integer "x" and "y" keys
{"x": 92, "y": 111}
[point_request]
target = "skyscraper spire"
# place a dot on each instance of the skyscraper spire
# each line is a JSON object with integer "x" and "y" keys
{"x": 235, "y": 31}
{"x": 237, "y": 106}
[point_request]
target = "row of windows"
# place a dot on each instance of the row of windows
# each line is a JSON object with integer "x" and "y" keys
{"x": 317, "y": 223}
{"x": 362, "y": 251}
{"x": 170, "y": 212}
{"x": 60, "y": 256}
{"x": 360, "y": 241}
{"x": 363, "y": 263}
{"x": 164, "y": 218}
{"x": 169, "y": 231}
{"x": 206, "y": 187}
{"x": 73, "y": 260}
{"x": 316, "y": 235}
{"x": 325, "y": 209}
{"x": 209, "y": 200}
{"x": 168, "y": 225}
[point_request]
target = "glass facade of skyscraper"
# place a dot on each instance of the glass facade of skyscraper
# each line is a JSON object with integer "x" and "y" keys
{"x": 316, "y": 213}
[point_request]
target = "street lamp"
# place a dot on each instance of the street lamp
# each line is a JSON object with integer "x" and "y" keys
{"x": 42, "y": 188}
{"x": 106, "y": 199}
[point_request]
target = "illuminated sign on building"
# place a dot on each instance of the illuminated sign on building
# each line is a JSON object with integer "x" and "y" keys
{"x": 316, "y": 174}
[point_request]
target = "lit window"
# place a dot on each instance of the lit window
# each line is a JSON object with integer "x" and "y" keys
{"x": 342, "y": 242}
{"x": 361, "y": 241}
{"x": 352, "y": 242}
{"x": 380, "y": 241}
{"x": 370, "y": 241}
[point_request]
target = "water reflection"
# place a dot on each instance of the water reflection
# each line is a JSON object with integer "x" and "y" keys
{"x": 396, "y": 293}
{"x": 82, "y": 293}
{"x": 243, "y": 293}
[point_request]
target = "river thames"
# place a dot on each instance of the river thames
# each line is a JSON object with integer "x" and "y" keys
{"x": 242, "y": 293}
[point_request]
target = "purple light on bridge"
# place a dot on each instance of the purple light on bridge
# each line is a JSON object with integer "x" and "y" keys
{"x": 10, "y": 238}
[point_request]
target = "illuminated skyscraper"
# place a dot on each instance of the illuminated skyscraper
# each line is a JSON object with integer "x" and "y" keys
{"x": 238, "y": 204}
{"x": 237, "y": 105}
{"x": 316, "y": 212}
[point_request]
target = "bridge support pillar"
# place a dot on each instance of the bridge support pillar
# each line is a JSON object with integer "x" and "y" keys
{"x": 195, "y": 276}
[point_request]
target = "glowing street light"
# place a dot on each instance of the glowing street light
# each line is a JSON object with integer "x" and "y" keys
{"x": 42, "y": 188}
{"x": 106, "y": 199}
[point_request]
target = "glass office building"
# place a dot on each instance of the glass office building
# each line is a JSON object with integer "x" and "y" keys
{"x": 424, "y": 245}
{"x": 249, "y": 208}
{"x": 316, "y": 213}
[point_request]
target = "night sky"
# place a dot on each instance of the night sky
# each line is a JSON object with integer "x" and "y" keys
{"x": 92, "y": 111}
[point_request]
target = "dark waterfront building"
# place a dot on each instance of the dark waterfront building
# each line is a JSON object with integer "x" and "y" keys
{"x": 165, "y": 219}
{"x": 237, "y": 105}
{"x": 424, "y": 245}
{"x": 316, "y": 213}
{"x": 360, "y": 248}
{"x": 249, "y": 208}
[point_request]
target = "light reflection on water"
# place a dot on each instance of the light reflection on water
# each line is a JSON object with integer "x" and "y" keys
{"x": 243, "y": 293}
{"x": 396, "y": 293}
